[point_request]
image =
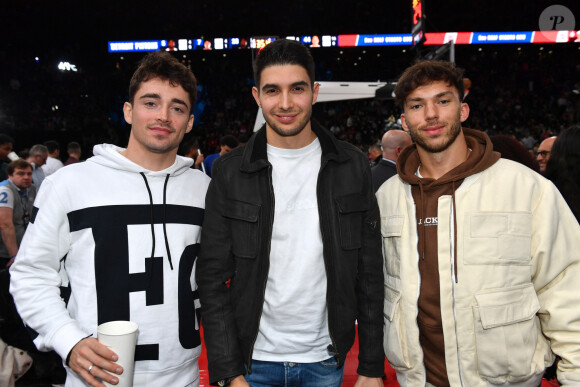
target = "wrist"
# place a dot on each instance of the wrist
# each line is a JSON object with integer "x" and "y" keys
{"x": 227, "y": 381}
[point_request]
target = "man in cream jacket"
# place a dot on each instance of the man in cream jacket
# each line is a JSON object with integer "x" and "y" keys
{"x": 481, "y": 253}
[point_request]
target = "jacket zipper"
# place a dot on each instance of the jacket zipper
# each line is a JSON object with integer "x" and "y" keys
{"x": 322, "y": 221}
{"x": 272, "y": 204}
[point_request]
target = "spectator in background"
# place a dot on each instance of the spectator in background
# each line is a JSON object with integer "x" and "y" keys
{"x": 375, "y": 154}
{"x": 6, "y": 143}
{"x": 74, "y": 153}
{"x": 227, "y": 143}
{"x": 393, "y": 142}
{"x": 563, "y": 168}
{"x": 190, "y": 148}
{"x": 37, "y": 158}
{"x": 53, "y": 162}
{"x": 543, "y": 152}
{"x": 16, "y": 200}
{"x": 512, "y": 149}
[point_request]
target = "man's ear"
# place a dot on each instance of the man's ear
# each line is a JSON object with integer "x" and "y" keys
{"x": 404, "y": 122}
{"x": 256, "y": 95}
{"x": 315, "y": 90}
{"x": 190, "y": 123}
{"x": 128, "y": 112}
{"x": 464, "y": 112}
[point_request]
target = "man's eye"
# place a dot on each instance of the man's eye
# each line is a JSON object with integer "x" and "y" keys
{"x": 444, "y": 101}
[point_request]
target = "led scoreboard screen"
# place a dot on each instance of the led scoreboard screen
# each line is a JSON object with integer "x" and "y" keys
{"x": 350, "y": 40}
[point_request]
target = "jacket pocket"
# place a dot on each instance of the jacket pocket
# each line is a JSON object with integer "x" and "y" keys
{"x": 244, "y": 220}
{"x": 497, "y": 238}
{"x": 394, "y": 341}
{"x": 506, "y": 333}
{"x": 351, "y": 209}
{"x": 391, "y": 230}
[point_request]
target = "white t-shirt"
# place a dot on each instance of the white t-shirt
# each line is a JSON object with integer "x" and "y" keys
{"x": 52, "y": 165}
{"x": 294, "y": 323}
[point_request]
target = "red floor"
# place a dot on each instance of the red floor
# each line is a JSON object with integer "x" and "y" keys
{"x": 350, "y": 366}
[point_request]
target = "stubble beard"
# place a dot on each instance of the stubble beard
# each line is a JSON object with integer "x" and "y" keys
{"x": 450, "y": 137}
{"x": 294, "y": 131}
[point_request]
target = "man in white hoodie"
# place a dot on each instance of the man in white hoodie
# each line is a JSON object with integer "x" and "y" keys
{"x": 122, "y": 231}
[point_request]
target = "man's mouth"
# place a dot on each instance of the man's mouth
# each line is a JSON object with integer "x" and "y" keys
{"x": 286, "y": 117}
{"x": 161, "y": 130}
{"x": 434, "y": 129}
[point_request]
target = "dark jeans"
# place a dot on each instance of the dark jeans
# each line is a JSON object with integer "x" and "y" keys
{"x": 289, "y": 374}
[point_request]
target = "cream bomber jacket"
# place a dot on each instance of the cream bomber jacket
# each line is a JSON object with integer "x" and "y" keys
{"x": 517, "y": 291}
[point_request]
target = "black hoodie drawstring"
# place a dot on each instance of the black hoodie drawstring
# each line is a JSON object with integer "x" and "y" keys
{"x": 164, "y": 224}
{"x": 153, "y": 218}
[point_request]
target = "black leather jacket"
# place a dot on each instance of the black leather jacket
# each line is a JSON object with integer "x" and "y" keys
{"x": 235, "y": 244}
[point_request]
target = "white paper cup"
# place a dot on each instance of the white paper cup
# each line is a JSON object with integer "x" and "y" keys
{"x": 121, "y": 338}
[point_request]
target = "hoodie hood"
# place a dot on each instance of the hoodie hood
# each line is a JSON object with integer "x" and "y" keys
{"x": 482, "y": 157}
{"x": 110, "y": 156}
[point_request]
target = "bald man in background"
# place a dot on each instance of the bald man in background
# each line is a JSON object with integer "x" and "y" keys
{"x": 543, "y": 153}
{"x": 392, "y": 143}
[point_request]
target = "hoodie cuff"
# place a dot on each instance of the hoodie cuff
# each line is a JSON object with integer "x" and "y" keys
{"x": 66, "y": 338}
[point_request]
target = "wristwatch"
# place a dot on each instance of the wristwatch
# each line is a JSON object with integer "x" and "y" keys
{"x": 226, "y": 382}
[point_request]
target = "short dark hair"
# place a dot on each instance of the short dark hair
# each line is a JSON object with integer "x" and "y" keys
{"x": 229, "y": 141}
{"x": 73, "y": 146}
{"x": 17, "y": 164}
{"x": 284, "y": 52}
{"x": 4, "y": 138}
{"x": 52, "y": 146}
{"x": 163, "y": 65}
{"x": 425, "y": 72}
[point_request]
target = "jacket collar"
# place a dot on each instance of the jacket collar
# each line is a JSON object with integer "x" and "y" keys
{"x": 255, "y": 155}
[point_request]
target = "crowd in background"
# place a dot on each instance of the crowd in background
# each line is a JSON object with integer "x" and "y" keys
{"x": 533, "y": 97}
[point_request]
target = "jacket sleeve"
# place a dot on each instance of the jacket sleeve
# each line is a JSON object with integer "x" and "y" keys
{"x": 36, "y": 275}
{"x": 556, "y": 274}
{"x": 215, "y": 267}
{"x": 370, "y": 289}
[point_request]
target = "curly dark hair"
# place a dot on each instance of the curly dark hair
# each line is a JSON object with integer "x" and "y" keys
{"x": 425, "y": 72}
{"x": 163, "y": 65}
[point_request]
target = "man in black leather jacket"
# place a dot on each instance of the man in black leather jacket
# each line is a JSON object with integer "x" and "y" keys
{"x": 250, "y": 259}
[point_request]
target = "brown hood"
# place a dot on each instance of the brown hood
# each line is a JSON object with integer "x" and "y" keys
{"x": 482, "y": 157}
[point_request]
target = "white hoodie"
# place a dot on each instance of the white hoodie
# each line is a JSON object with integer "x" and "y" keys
{"x": 96, "y": 226}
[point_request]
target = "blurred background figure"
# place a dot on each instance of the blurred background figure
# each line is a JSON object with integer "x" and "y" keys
{"x": 227, "y": 143}
{"x": 543, "y": 153}
{"x": 375, "y": 154}
{"x": 53, "y": 162}
{"x": 393, "y": 142}
{"x": 512, "y": 149}
{"x": 563, "y": 168}
{"x": 74, "y": 153}
{"x": 6, "y": 143}
{"x": 37, "y": 158}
